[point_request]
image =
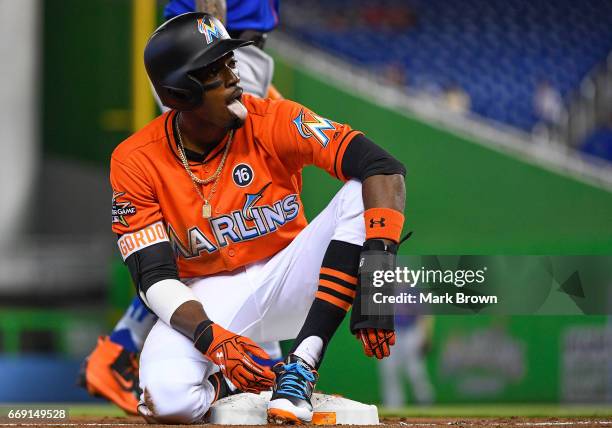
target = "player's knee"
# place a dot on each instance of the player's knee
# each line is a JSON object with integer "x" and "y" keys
{"x": 350, "y": 226}
{"x": 174, "y": 403}
{"x": 351, "y": 198}
{"x": 352, "y": 187}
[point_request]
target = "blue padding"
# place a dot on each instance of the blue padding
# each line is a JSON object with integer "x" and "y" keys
{"x": 40, "y": 379}
{"x": 599, "y": 143}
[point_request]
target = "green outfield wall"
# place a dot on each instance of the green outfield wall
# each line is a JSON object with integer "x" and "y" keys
{"x": 463, "y": 198}
{"x": 86, "y": 78}
{"x": 490, "y": 359}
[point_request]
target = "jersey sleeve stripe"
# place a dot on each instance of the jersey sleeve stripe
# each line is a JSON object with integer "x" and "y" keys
{"x": 334, "y": 293}
{"x": 337, "y": 281}
{"x": 339, "y": 288}
{"x": 340, "y": 153}
{"x": 333, "y": 300}
{"x": 340, "y": 275}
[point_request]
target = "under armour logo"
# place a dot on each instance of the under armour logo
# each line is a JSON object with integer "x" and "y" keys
{"x": 220, "y": 355}
{"x": 380, "y": 222}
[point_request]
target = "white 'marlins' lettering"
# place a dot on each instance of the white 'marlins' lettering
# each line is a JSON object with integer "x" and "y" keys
{"x": 236, "y": 227}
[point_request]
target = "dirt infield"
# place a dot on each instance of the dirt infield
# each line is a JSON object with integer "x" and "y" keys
{"x": 88, "y": 421}
{"x": 496, "y": 422}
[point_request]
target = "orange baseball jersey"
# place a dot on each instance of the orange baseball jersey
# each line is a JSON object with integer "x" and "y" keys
{"x": 256, "y": 208}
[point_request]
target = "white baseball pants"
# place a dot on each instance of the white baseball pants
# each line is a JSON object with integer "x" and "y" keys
{"x": 265, "y": 301}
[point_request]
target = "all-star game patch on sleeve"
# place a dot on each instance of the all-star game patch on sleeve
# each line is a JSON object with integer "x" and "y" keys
{"x": 302, "y": 137}
{"x": 135, "y": 205}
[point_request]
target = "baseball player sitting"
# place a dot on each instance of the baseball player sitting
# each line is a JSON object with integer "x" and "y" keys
{"x": 111, "y": 370}
{"x": 211, "y": 225}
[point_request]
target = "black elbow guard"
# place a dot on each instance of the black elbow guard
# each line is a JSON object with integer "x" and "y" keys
{"x": 152, "y": 264}
{"x": 363, "y": 159}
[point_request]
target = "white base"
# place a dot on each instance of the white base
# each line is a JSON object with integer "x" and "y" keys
{"x": 251, "y": 409}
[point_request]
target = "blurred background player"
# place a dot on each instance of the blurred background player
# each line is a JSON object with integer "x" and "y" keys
{"x": 111, "y": 370}
{"x": 407, "y": 361}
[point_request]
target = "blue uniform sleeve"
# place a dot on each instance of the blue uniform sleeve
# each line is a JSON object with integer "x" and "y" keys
{"x": 178, "y": 7}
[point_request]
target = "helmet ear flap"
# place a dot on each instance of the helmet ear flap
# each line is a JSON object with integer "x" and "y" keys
{"x": 182, "y": 95}
{"x": 184, "y": 99}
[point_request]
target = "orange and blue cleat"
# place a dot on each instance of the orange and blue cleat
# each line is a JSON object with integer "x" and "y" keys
{"x": 111, "y": 372}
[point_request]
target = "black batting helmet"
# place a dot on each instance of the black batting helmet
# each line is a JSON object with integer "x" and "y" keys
{"x": 183, "y": 44}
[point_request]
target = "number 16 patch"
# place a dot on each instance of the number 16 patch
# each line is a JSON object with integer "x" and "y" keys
{"x": 243, "y": 174}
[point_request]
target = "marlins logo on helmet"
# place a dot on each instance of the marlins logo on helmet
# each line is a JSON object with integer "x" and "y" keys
{"x": 209, "y": 30}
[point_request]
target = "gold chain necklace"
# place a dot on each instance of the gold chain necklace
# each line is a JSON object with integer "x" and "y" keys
{"x": 197, "y": 182}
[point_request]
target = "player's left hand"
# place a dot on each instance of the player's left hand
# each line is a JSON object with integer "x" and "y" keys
{"x": 375, "y": 332}
{"x": 376, "y": 342}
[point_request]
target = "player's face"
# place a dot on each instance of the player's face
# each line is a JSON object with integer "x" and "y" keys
{"x": 221, "y": 105}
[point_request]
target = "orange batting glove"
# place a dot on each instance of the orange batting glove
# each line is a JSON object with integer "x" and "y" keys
{"x": 376, "y": 342}
{"x": 231, "y": 352}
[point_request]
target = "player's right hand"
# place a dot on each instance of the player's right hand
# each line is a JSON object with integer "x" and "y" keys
{"x": 231, "y": 352}
{"x": 376, "y": 342}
